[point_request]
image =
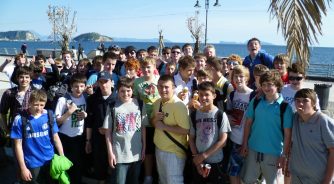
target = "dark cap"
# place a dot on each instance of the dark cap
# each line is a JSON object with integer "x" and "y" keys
{"x": 104, "y": 75}
{"x": 129, "y": 49}
{"x": 114, "y": 48}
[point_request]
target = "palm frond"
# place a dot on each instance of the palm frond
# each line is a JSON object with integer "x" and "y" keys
{"x": 300, "y": 22}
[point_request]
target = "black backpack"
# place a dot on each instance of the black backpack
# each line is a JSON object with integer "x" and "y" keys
{"x": 222, "y": 97}
{"x": 55, "y": 92}
{"x": 251, "y": 96}
{"x": 25, "y": 123}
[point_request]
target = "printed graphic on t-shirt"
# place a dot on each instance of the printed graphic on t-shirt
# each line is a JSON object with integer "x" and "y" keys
{"x": 149, "y": 92}
{"x": 206, "y": 128}
{"x": 127, "y": 122}
{"x": 31, "y": 133}
{"x": 74, "y": 116}
{"x": 238, "y": 109}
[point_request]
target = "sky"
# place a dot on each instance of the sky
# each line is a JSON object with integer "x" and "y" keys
{"x": 233, "y": 21}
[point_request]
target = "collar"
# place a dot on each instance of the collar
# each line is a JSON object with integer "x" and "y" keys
{"x": 178, "y": 78}
{"x": 279, "y": 100}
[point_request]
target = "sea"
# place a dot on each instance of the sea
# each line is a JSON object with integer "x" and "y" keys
{"x": 321, "y": 61}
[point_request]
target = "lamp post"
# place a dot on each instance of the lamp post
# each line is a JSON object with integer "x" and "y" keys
{"x": 206, "y": 15}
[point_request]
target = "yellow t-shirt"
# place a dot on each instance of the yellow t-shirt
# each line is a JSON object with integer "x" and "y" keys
{"x": 176, "y": 113}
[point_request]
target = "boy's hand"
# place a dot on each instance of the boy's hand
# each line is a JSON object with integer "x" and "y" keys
{"x": 244, "y": 150}
{"x": 195, "y": 104}
{"x": 25, "y": 174}
{"x": 198, "y": 159}
{"x": 158, "y": 116}
{"x": 143, "y": 154}
{"x": 281, "y": 163}
{"x": 88, "y": 147}
{"x": 71, "y": 107}
{"x": 81, "y": 115}
{"x": 89, "y": 89}
{"x": 159, "y": 125}
{"x": 200, "y": 170}
{"x": 182, "y": 95}
{"x": 112, "y": 160}
{"x": 50, "y": 60}
{"x": 10, "y": 60}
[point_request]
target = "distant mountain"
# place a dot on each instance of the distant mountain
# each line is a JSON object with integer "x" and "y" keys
{"x": 155, "y": 40}
{"x": 92, "y": 37}
{"x": 18, "y": 36}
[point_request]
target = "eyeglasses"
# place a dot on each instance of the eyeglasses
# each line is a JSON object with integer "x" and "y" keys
{"x": 166, "y": 53}
{"x": 60, "y": 66}
{"x": 234, "y": 63}
{"x": 176, "y": 52}
{"x": 295, "y": 78}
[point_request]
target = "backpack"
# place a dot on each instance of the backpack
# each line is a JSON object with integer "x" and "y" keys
{"x": 251, "y": 96}
{"x": 222, "y": 97}
{"x": 55, "y": 92}
{"x": 282, "y": 108}
{"x": 25, "y": 123}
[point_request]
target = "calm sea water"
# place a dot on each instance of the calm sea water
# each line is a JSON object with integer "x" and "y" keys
{"x": 319, "y": 55}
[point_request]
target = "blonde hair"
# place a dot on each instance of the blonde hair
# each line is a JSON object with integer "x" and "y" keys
{"x": 239, "y": 69}
{"x": 148, "y": 60}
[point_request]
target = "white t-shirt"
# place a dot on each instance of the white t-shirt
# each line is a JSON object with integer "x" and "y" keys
{"x": 238, "y": 107}
{"x": 71, "y": 127}
{"x": 180, "y": 85}
{"x": 8, "y": 70}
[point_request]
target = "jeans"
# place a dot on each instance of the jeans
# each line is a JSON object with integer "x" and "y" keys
{"x": 126, "y": 173}
{"x": 170, "y": 167}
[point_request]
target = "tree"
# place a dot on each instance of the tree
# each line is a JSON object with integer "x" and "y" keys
{"x": 63, "y": 25}
{"x": 196, "y": 30}
{"x": 300, "y": 23}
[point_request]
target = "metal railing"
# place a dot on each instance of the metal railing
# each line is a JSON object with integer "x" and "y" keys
{"x": 321, "y": 71}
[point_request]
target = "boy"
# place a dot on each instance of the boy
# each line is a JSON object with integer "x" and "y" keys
{"x": 70, "y": 114}
{"x": 132, "y": 67}
{"x": 210, "y": 51}
{"x": 145, "y": 89}
{"x": 267, "y": 132}
{"x": 237, "y": 104}
{"x": 176, "y": 54}
{"x": 33, "y": 142}
{"x": 170, "y": 69}
{"x": 187, "y": 50}
{"x": 281, "y": 64}
{"x": 208, "y": 136}
{"x": 185, "y": 78}
{"x": 223, "y": 86}
{"x": 259, "y": 70}
{"x": 200, "y": 60}
{"x": 97, "y": 105}
{"x": 312, "y": 151}
{"x": 296, "y": 77}
{"x": 125, "y": 137}
{"x": 256, "y": 56}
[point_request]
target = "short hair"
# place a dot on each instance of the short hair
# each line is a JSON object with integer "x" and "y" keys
{"x": 253, "y": 39}
{"x": 37, "y": 96}
{"x": 58, "y": 61}
{"x": 207, "y": 86}
{"x": 240, "y": 69}
{"x": 78, "y": 78}
{"x": 204, "y": 73}
{"x": 176, "y": 47}
{"x": 40, "y": 57}
{"x": 282, "y": 58}
{"x": 152, "y": 49}
{"x": 209, "y": 46}
{"x": 200, "y": 56}
{"x": 186, "y": 61}
{"x": 166, "y": 78}
{"x": 36, "y": 67}
{"x": 186, "y": 45}
{"x": 132, "y": 63}
{"x": 165, "y": 49}
{"x": 215, "y": 63}
{"x": 148, "y": 60}
{"x": 272, "y": 76}
{"x": 125, "y": 82}
{"x": 260, "y": 69}
{"x": 170, "y": 64}
{"x": 97, "y": 60}
{"x": 297, "y": 68}
{"x": 235, "y": 57}
{"x": 24, "y": 70}
{"x": 109, "y": 55}
{"x": 66, "y": 52}
{"x": 307, "y": 93}
{"x": 85, "y": 62}
{"x": 19, "y": 56}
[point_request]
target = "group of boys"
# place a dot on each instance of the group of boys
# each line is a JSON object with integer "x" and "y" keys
{"x": 231, "y": 112}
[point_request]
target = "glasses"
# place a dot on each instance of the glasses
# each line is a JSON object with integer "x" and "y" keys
{"x": 234, "y": 63}
{"x": 166, "y": 53}
{"x": 295, "y": 78}
{"x": 60, "y": 66}
{"x": 176, "y": 52}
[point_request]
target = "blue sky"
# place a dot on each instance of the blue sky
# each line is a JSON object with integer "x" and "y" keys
{"x": 236, "y": 20}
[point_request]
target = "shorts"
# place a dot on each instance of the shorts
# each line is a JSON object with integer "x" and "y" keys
{"x": 236, "y": 160}
{"x": 150, "y": 147}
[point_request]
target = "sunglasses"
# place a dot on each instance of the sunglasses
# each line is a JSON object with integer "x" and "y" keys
{"x": 165, "y": 53}
{"x": 295, "y": 78}
{"x": 234, "y": 63}
{"x": 176, "y": 52}
{"x": 60, "y": 66}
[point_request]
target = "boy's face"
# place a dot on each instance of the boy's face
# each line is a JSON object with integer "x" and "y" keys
{"x": 200, "y": 64}
{"x": 281, "y": 66}
{"x": 36, "y": 107}
{"x": 82, "y": 68}
{"x": 148, "y": 69}
{"x": 67, "y": 58}
{"x": 125, "y": 94}
{"x": 176, "y": 54}
{"x": 131, "y": 72}
{"x": 253, "y": 47}
{"x": 78, "y": 88}
{"x": 304, "y": 106}
{"x": 142, "y": 55}
{"x": 188, "y": 51}
{"x": 296, "y": 80}
{"x": 170, "y": 70}
{"x": 203, "y": 79}
{"x": 21, "y": 62}
{"x": 206, "y": 97}
{"x": 154, "y": 55}
{"x": 240, "y": 80}
{"x": 257, "y": 81}
{"x": 166, "y": 54}
{"x": 269, "y": 88}
{"x": 186, "y": 73}
{"x": 105, "y": 85}
{"x": 225, "y": 66}
{"x": 166, "y": 89}
{"x": 98, "y": 67}
{"x": 210, "y": 52}
{"x": 109, "y": 65}
{"x": 24, "y": 80}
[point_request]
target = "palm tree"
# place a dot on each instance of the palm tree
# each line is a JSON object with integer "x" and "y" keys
{"x": 300, "y": 22}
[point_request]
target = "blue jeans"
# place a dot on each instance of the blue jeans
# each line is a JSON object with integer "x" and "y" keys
{"x": 127, "y": 173}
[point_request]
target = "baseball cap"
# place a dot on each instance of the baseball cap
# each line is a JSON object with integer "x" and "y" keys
{"x": 114, "y": 48}
{"x": 104, "y": 75}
